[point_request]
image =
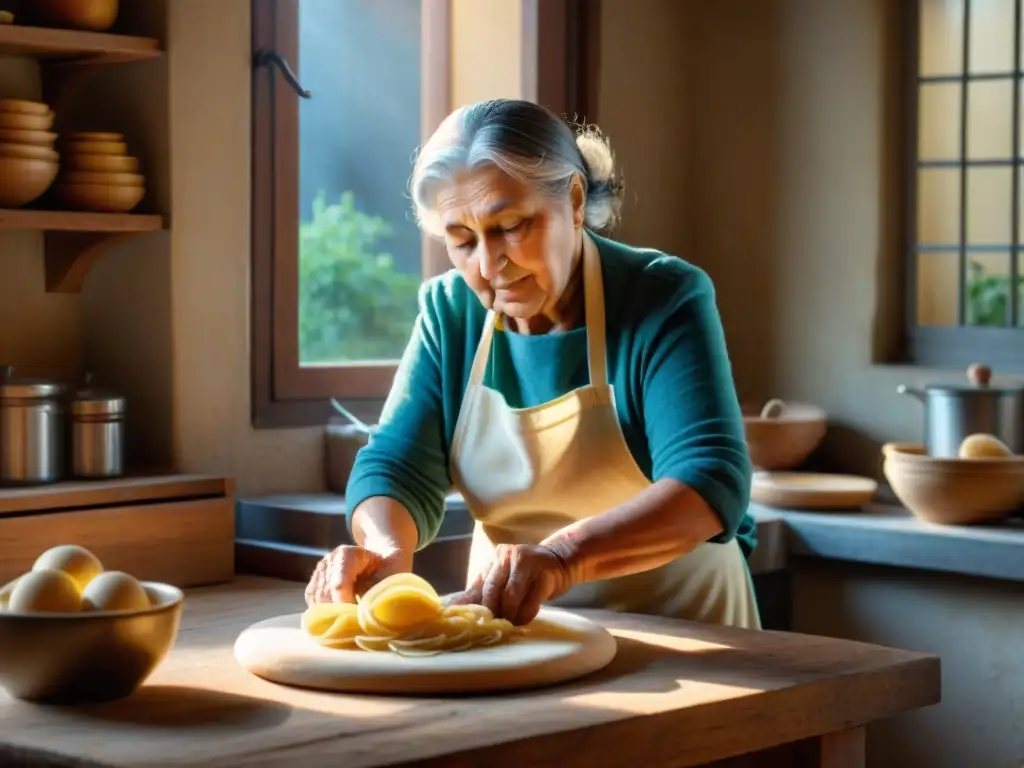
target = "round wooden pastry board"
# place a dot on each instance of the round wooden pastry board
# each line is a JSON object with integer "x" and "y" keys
{"x": 278, "y": 650}
{"x": 811, "y": 491}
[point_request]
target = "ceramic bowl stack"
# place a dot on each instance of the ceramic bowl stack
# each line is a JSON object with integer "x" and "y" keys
{"x": 98, "y": 174}
{"x": 981, "y": 487}
{"x": 28, "y": 160}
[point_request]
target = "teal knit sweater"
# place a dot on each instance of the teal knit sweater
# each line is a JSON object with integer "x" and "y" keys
{"x": 667, "y": 361}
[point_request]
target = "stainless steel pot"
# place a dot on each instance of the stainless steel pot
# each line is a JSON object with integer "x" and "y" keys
{"x": 30, "y": 430}
{"x": 954, "y": 411}
{"x": 97, "y": 434}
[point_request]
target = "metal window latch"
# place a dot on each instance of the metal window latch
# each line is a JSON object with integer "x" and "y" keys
{"x": 273, "y": 59}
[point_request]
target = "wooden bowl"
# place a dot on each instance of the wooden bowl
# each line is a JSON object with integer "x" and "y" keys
{"x": 101, "y": 163}
{"x": 24, "y": 107}
{"x": 87, "y": 147}
{"x": 93, "y": 136}
{"x": 953, "y": 491}
{"x": 106, "y": 198}
{"x": 24, "y": 179}
{"x": 103, "y": 177}
{"x": 35, "y": 138}
{"x": 92, "y": 15}
{"x": 29, "y": 151}
{"x": 785, "y": 441}
{"x": 18, "y": 121}
{"x": 67, "y": 658}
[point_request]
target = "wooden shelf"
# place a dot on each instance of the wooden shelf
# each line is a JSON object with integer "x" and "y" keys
{"x": 76, "y": 239}
{"x": 77, "y": 495}
{"x": 70, "y": 45}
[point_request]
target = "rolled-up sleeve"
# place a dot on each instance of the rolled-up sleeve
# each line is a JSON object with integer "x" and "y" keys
{"x": 692, "y": 416}
{"x": 406, "y": 458}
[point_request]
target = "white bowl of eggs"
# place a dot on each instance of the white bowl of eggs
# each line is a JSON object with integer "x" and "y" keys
{"x": 71, "y": 631}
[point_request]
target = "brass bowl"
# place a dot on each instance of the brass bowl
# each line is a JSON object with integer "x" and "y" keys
{"x": 94, "y": 147}
{"x": 24, "y": 179}
{"x": 35, "y": 138}
{"x": 24, "y": 107}
{"x": 100, "y": 198}
{"x": 783, "y": 442}
{"x": 91, "y": 15}
{"x": 19, "y": 121}
{"x": 29, "y": 151}
{"x": 65, "y": 658}
{"x": 101, "y": 163}
{"x": 953, "y": 491}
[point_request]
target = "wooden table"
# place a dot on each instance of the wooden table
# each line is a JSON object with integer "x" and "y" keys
{"x": 677, "y": 694}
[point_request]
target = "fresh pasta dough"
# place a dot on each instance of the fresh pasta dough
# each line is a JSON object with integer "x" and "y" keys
{"x": 403, "y": 614}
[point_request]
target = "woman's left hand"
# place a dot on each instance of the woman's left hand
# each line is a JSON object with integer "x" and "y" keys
{"x": 518, "y": 582}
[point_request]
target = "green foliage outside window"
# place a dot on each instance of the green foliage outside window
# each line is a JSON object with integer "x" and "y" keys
{"x": 354, "y": 304}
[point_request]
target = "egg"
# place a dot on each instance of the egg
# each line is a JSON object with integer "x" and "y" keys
{"x": 114, "y": 591}
{"x": 981, "y": 446}
{"x": 6, "y": 590}
{"x": 45, "y": 590}
{"x": 77, "y": 562}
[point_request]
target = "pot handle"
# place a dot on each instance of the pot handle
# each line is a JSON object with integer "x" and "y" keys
{"x": 903, "y": 389}
{"x": 979, "y": 375}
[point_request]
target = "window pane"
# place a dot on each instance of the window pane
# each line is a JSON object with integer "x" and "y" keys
{"x": 938, "y": 133}
{"x": 360, "y": 250}
{"x": 942, "y": 36}
{"x": 938, "y": 206}
{"x": 989, "y": 195}
{"x": 937, "y": 287}
{"x": 990, "y": 120}
{"x": 991, "y": 36}
{"x": 987, "y": 285}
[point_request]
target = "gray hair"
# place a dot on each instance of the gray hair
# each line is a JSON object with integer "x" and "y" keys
{"x": 529, "y": 143}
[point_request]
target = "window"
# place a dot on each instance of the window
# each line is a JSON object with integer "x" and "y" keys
{"x": 966, "y": 283}
{"x": 337, "y": 257}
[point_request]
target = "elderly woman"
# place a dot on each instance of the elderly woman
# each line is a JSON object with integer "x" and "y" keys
{"x": 575, "y": 390}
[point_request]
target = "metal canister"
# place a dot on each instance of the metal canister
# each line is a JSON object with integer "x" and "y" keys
{"x": 955, "y": 411}
{"x": 31, "y": 430}
{"x": 97, "y": 434}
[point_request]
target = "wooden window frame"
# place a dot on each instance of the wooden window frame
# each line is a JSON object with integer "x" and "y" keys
{"x": 957, "y": 346}
{"x": 560, "y": 44}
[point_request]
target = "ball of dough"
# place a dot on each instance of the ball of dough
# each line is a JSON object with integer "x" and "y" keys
{"x": 77, "y": 562}
{"x": 983, "y": 446}
{"x": 45, "y": 590}
{"x": 773, "y": 409}
{"x": 114, "y": 591}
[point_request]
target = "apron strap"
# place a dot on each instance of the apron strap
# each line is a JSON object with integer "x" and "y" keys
{"x": 593, "y": 291}
{"x": 483, "y": 350}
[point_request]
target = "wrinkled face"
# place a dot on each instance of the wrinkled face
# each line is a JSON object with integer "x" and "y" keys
{"x": 513, "y": 245}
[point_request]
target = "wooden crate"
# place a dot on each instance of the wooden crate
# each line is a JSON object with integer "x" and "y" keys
{"x": 177, "y": 529}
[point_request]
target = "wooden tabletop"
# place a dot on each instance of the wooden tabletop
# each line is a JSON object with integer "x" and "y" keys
{"x": 678, "y": 693}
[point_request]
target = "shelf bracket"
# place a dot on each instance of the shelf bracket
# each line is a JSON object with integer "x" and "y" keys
{"x": 70, "y": 255}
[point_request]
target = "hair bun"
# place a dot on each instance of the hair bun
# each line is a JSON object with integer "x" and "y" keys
{"x": 597, "y": 154}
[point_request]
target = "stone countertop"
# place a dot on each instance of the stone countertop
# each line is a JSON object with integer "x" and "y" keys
{"x": 887, "y": 534}
{"x": 883, "y": 534}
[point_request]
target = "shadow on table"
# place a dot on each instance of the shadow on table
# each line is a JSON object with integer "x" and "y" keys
{"x": 172, "y": 706}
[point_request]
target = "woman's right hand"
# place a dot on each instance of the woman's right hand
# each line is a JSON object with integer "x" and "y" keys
{"x": 350, "y": 570}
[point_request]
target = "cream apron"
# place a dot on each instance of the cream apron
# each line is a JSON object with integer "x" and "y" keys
{"x": 525, "y": 473}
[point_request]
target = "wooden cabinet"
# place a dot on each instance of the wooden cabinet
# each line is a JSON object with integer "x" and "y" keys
{"x": 178, "y": 529}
